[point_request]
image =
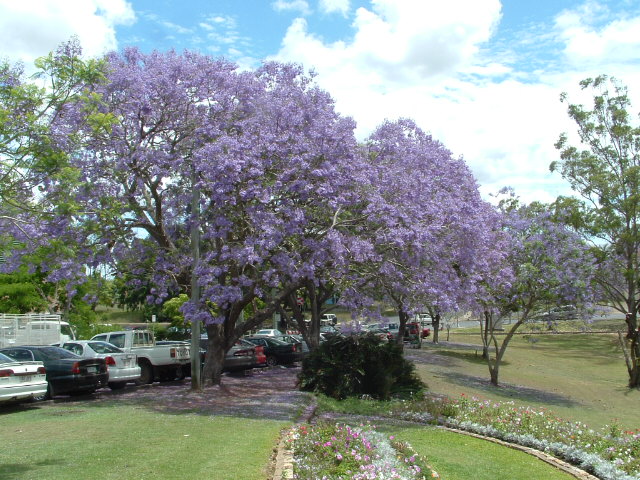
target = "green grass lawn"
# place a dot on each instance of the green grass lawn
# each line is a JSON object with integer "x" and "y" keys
{"x": 458, "y": 457}
{"x": 579, "y": 377}
{"x": 112, "y": 441}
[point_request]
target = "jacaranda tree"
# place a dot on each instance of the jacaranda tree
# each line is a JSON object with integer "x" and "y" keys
{"x": 545, "y": 262}
{"x": 425, "y": 222}
{"x": 274, "y": 166}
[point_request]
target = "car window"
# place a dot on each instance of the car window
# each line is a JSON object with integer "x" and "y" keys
{"x": 73, "y": 347}
{"x": 52, "y": 353}
{"x": 104, "y": 347}
{"x": 20, "y": 354}
{"x": 117, "y": 339}
{"x": 5, "y": 359}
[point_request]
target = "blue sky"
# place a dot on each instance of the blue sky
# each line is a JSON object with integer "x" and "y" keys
{"x": 483, "y": 76}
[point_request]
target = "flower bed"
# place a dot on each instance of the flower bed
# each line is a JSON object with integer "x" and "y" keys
{"x": 610, "y": 453}
{"x": 338, "y": 451}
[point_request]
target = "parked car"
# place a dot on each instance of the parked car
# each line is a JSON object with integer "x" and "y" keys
{"x": 21, "y": 381}
{"x": 295, "y": 339}
{"x": 259, "y": 359}
{"x": 563, "y": 312}
{"x": 277, "y": 351}
{"x": 381, "y": 333}
{"x": 123, "y": 367}
{"x": 241, "y": 356}
{"x": 66, "y": 372}
{"x": 157, "y": 362}
{"x": 328, "y": 319}
{"x": 268, "y": 332}
{"x": 393, "y": 329}
{"x": 413, "y": 329}
{"x": 329, "y": 330}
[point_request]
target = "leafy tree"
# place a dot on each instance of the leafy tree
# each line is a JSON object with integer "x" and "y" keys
{"x": 546, "y": 263}
{"x": 31, "y": 159}
{"x": 605, "y": 170}
{"x": 425, "y": 222}
{"x": 274, "y": 164}
{"x": 19, "y": 293}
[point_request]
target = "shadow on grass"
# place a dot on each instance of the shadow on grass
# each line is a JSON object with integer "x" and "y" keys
{"x": 511, "y": 392}
{"x": 11, "y": 471}
{"x": 468, "y": 357}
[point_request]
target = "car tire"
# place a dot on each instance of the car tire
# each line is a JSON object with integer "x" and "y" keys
{"x": 117, "y": 385}
{"x": 146, "y": 372}
{"x": 50, "y": 392}
{"x": 271, "y": 361}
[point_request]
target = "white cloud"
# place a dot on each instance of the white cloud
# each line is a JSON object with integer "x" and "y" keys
{"x": 422, "y": 59}
{"x": 335, "y": 6}
{"x": 32, "y": 29}
{"x": 301, "y": 6}
{"x": 402, "y": 40}
{"x": 588, "y": 42}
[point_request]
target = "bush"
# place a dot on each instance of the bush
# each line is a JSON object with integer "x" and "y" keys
{"x": 359, "y": 365}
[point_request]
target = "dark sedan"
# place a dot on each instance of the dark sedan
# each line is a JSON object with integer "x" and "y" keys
{"x": 277, "y": 351}
{"x": 67, "y": 373}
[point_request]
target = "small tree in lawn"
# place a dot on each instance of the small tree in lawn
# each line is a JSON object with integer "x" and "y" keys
{"x": 605, "y": 171}
{"x": 546, "y": 262}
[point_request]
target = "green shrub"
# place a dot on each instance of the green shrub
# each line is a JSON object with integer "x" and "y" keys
{"x": 359, "y": 365}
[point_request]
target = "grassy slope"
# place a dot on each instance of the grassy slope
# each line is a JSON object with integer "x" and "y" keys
{"x": 123, "y": 442}
{"x": 579, "y": 377}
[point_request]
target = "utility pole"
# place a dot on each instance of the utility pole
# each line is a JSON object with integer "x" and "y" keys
{"x": 196, "y": 381}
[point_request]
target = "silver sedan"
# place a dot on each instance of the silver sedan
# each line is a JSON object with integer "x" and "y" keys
{"x": 21, "y": 380}
{"x": 123, "y": 367}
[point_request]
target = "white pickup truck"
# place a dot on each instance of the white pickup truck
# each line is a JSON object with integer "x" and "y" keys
{"x": 157, "y": 362}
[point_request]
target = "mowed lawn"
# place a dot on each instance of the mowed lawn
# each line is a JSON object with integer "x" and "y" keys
{"x": 580, "y": 377}
{"x": 461, "y": 457}
{"x": 86, "y": 440}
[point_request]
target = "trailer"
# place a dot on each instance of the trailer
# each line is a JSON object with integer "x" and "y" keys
{"x": 33, "y": 329}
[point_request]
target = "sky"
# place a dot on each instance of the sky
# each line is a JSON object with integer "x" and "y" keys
{"x": 483, "y": 77}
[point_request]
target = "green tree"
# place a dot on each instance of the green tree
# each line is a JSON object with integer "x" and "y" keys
{"x": 605, "y": 170}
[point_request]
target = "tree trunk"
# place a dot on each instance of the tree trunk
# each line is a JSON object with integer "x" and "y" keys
{"x": 403, "y": 317}
{"x": 484, "y": 335}
{"x": 214, "y": 360}
{"x": 634, "y": 371}
{"x": 493, "y": 374}
{"x": 494, "y": 365}
{"x": 436, "y": 327}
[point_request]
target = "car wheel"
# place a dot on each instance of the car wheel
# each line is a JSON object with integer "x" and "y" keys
{"x": 180, "y": 373}
{"x": 50, "y": 392}
{"x": 271, "y": 361}
{"x": 146, "y": 372}
{"x": 117, "y": 385}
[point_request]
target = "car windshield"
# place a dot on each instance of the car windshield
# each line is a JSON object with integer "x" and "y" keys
{"x": 53, "y": 353}
{"x": 104, "y": 347}
{"x": 275, "y": 341}
{"x": 5, "y": 359}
